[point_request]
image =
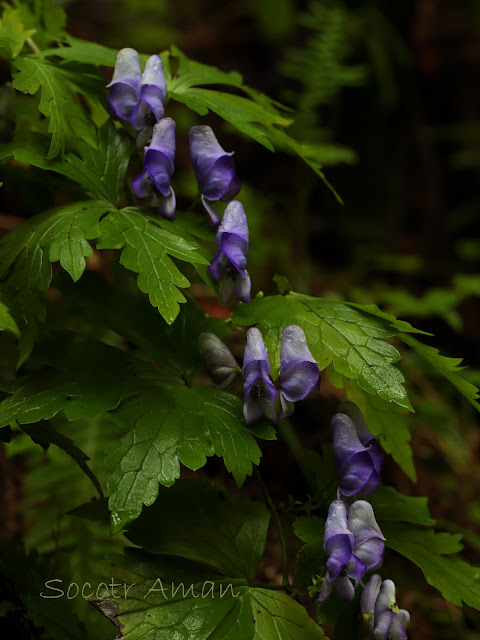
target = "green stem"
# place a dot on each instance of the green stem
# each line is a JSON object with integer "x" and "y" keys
{"x": 33, "y": 45}
{"x": 276, "y": 517}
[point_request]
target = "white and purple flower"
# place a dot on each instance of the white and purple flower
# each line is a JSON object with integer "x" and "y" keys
{"x": 158, "y": 162}
{"x": 229, "y": 265}
{"x": 138, "y": 97}
{"x": 358, "y": 455}
{"x": 213, "y": 168}
{"x": 260, "y": 392}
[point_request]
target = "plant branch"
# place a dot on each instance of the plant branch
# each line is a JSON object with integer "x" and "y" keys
{"x": 276, "y": 517}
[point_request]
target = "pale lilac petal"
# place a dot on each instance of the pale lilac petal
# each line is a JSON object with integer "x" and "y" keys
{"x": 143, "y": 185}
{"x": 362, "y": 523}
{"x": 336, "y": 522}
{"x": 299, "y": 381}
{"x": 214, "y": 217}
{"x": 345, "y": 588}
{"x": 356, "y": 568}
{"x": 153, "y": 89}
{"x": 339, "y": 551}
{"x": 167, "y": 205}
{"x": 242, "y": 288}
{"x": 294, "y": 348}
{"x": 397, "y": 630}
{"x": 123, "y": 100}
{"x": 234, "y": 222}
{"x": 255, "y": 349}
{"x": 382, "y": 625}
{"x": 370, "y": 594}
{"x": 204, "y": 149}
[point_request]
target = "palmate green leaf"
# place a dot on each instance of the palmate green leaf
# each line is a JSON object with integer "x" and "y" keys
{"x": 83, "y": 51}
{"x": 67, "y": 118}
{"x": 198, "y": 605}
{"x": 456, "y": 580}
{"x": 447, "y": 367}
{"x": 206, "y": 524}
{"x": 349, "y": 336}
{"x": 12, "y": 32}
{"x": 146, "y": 250}
{"x": 168, "y": 427}
{"x": 101, "y": 172}
{"x": 389, "y": 423}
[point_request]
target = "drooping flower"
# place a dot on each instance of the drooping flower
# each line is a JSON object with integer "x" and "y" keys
{"x": 158, "y": 162}
{"x": 354, "y": 545}
{"x": 368, "y": 599}
{"x": 298, "y": 369}
{"x": 221, "y": 365}
{"x": 229, "y": 265}
{"x": 389, "y": 621}
{"x": 259, "y": 390}
{"x": 358, "y": 456}
{"x": 213, "y": 168}
{"x": 136, "y": 97}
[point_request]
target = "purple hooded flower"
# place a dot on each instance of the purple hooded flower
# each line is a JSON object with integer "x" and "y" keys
{"x": 229, "y": 265}
{"x": 260, "y": 392}
{"x": 354, "y": 545}
{"x": 213, "y": 168}
{"x": 222, "y": 366}
{"x": 358, "y": 456}
{"x": 389, "y": 621}
{"x": 368, "y": 599}
{"x": 137, "y": 97}
{"x": 158, "y": 163}
{"x": 298, "y": 369}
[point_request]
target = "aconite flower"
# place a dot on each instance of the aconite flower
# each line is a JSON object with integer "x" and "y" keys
{"x": 213, "y": 168}
{"x": 259, "y": 390}
{"x": 389, "y": 621}
{"x": 138, "y": 97}
{"x": 221, "y": 365}
{"x": 229, "y": 265}
{"x": 358, "y": 456}
{"x": 158, "y": 162}
{"x": 354, "y": 545}
{"x": 298, "y": 369}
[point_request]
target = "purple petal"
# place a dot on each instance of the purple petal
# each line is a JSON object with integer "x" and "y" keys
{"x": 386, "y": 598}
{"x": 214, "y": 217}
{"x": 345, "y": 589}
{"x": 382, "y": 624}
{"x": 233, "y": 189}
{"x": 369, "y": 594}
{"x": 397, "y": 630}
{"x": 166, "y": 205}
{"x": 353, "y": 412}
{"x": 336, "y": 522}
{"x": 242, "y": 288}
{"x": 403, "y": 617}
{"x": 163, "y": 138}
{"x": 339, "y": 551}
{"x": 294, "y": 348}
{"x": 160, "y": 168}
{"x": 143, "y": 185}
{"x": 216, "y": 182}
{"x": 123, "y": 100}
{"x": 345, "y": 439}
{"x": 362, "y": 523}
{"x": 287, "y": 407}
{"x": 204, "y": 149}
{"x": 234, "y": 223}
{"x": 218, "y": 266}
{"x": 153, "y": 86}
{"x": 358, "y": 475}
{"x": 233, "y": 249}
{"x": 326, "y": 590}
{"x": 371, "y": 554}
{"x": 356, "y": 568}
{"x": 255, "y": 349}
{"x": 297, "y": 383}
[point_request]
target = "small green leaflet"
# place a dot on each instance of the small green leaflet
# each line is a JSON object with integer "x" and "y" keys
{"x": 456, "y": 580}
{"x": 170, "y": 593}
{"x": 7, "y": 321}
{"x": 390, "y": 424}
{"x": 84, "y": 51}
{"x": 447, "y": 367}
{"x": 230, "y": 531}
{"x": 348, "y": 335}
{"x": 66, "y": 116}
{"x": 12, "y": 32}
{"x": 146, "y": 250}
{"x": 167, "y": 427}
{"x": 101, "y": 172}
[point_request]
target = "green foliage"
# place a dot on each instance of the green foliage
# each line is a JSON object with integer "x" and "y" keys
{"x": 170, "y": 425}
{"x": 66, "y": 116}
{"x": 146, "y": 250}
{"x": 309, "y": 529}
{"x": 230, "y": 530}
{"x": 456, "y": 580}
{"x": 390, "y": 505}
{"x": 12, "y": 32}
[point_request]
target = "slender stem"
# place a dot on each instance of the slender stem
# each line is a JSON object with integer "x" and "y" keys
{"x": 295, "y": 446}
{"x": 33, "y": 45}
{"x": 271, "y": 506}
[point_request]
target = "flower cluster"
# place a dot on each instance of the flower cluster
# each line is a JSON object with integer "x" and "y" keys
{"x": 353, "y": 541}
{"x": 379, "y": 607}
{"x": 298, "y": 371}
{"x": 139, "y": 98}
{"x": 354, "y": 545}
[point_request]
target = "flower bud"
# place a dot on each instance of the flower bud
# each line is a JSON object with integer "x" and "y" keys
{"x": 221, "y": 365}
